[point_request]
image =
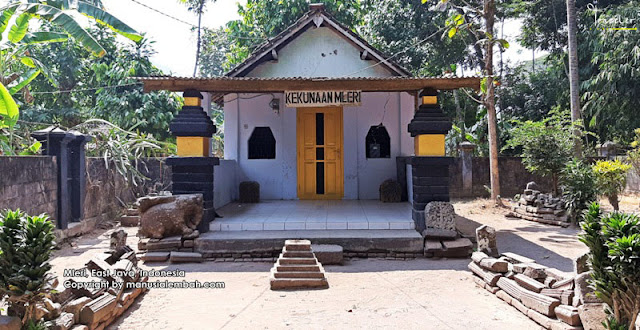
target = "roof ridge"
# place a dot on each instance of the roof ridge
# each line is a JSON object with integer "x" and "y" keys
{"x": 306, "y": 19}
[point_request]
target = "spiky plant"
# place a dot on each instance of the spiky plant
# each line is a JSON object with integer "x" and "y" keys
{"x": 26, "y": 243}
{"x": 614, "y": 243}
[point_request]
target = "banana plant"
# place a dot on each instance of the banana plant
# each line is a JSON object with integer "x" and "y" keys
{"x": 18, "y": 68}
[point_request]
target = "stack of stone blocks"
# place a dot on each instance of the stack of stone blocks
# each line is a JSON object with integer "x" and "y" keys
{"x": 550, "y": 297}
{"x": 88, "y": 309}
{"x": 539, "y": 207}
{"x": 441, "y": 237}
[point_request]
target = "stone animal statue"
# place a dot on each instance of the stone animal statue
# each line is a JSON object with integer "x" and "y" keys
{"x": 164, "y": 216}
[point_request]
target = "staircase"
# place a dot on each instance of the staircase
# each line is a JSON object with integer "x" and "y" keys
{"x": 297, "y": 268}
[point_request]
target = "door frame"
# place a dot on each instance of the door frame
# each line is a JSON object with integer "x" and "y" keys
{"x": 300, "y": 156}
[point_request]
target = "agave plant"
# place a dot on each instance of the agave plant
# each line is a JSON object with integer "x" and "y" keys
{"x": 26, "y": 243}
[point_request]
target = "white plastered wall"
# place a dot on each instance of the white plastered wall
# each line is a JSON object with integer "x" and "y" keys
{"x": 278, "y": 177}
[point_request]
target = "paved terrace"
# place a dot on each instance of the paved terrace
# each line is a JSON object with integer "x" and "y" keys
{"x": 275, "y": 215}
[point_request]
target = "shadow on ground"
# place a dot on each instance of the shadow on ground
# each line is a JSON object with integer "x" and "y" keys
{"x": 509, "y": 241}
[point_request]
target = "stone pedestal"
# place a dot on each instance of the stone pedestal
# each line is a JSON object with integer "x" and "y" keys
{"x": 430, "y": 177}
{"x": 194, "y": 175}
{"x": 192, "y": 170}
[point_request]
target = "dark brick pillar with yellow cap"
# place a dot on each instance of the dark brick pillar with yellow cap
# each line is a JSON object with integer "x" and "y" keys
{"x": 192, "y": 169}
{"x": 430, "y": 167}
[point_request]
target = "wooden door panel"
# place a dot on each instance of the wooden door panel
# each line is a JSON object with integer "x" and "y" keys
{"x": 311, "y": 158}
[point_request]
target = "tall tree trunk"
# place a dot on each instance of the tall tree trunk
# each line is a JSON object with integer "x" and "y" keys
{"x": 195, "y": 67}
{"x": 489, "y": 101}
{"x": 574, "y": 78}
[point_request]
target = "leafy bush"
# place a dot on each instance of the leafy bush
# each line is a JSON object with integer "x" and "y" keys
{"x": 25, "y": 245}
{"x": 611, "y": 178}
{"x": 614, "y": 243}
{"x": 578, "y": 185}
{"x": 546, "y": 144}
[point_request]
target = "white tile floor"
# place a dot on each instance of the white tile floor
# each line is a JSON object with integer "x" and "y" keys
{"x": 314, "y": 215}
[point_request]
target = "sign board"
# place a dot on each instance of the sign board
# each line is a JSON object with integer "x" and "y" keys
{"x": 300, "y": 99}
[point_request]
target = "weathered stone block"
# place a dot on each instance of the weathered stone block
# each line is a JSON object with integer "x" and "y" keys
{"x": 478, "y": 256}
{"x": 443, "y": 234}
{"x": 118, "y": 239}
{"x": 431, "y": 247}
{"x": 494, "y": 265}
{"x": 460, "y": 248}
{"x": 516, "y": 258}
{"x": 486, "y": 240}
{"x": 328, "y": 254}
{"x": 130, "y": 220}
{"x": 185, "y": 257}
{"x": 528, "y": 283}
{"x": 98, "y": 309}
{"x": 75, "y": 306}
{"x": 440, "y": 215}
{"x": 592, "y": 315}
{"x": 504, "y": 296}
{"x": 167, "y": 243}
{"x": 568, "y": 314}
{"x": 63, "y": 322}
{"x": 488, "y": 277}
{"x": 583, "y": 292}
{"x": 155, "y": 256}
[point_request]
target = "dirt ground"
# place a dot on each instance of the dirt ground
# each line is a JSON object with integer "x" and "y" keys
{"x": 364, "y": 293}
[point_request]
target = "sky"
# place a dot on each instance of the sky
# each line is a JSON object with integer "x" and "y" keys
{"x": 175, "y": 42}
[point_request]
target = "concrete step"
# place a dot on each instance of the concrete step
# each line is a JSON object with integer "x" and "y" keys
{"x": 298, "y": 283}
{"x": 298, "y": 268}
{"x": 298, "y": 274}
{"x": 297, "y": 245}
{"x": 406, "y": 241}
{"x": 297, "y": 261}
{"x": 296, "y": 254}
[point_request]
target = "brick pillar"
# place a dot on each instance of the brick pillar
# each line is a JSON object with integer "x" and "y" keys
{"x": 192, "y": 170}
{"x": 430, "y": 167}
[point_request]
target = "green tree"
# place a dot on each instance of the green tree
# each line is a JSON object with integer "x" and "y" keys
{"x": 546, "y": 145}
{"x": 125, "y": 104}
{"x": 197, "y": 7}
{"x": 216, "y": 48}
{"x": 18, "y": 68}
{"x": 611, "y": 178}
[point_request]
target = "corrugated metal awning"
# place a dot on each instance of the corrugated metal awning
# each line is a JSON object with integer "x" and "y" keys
{"x": 274, "y": 85}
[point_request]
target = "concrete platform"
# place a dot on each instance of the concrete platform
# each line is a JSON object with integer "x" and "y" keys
{"x": 407, "y": 241}
{"x": 294, "y": 215}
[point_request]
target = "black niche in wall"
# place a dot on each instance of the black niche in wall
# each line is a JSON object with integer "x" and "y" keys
{"x": 262, "y": 144}
{"x": 378, "y": 142}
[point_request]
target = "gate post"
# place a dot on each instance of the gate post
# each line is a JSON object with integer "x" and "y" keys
{"x": 430, "y": 167}
{"x": 192, "y": 170}
{"x": 68, "y": 148}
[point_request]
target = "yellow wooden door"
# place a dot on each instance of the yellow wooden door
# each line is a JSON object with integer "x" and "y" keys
{"x": 320, "y": 168}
